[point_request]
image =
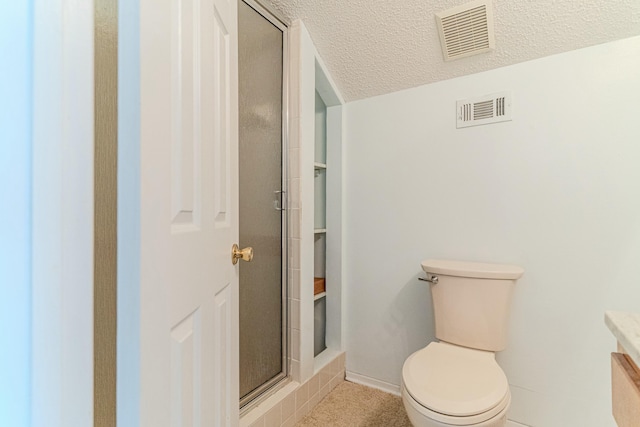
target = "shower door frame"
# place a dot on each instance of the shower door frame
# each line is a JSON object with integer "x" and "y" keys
{"x": 254, "y": 397}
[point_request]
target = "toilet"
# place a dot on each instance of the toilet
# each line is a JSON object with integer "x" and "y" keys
{"x": 456, "y": 380}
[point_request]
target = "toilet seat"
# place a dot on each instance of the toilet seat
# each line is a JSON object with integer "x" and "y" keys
{"x": 455, "y": 385}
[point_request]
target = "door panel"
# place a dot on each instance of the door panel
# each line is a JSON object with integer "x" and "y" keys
{"x": 189, "y": 213}
{"x": 186, "y": 381}
{"x": 224, "y": 125}
{"x": 185, "y": 117}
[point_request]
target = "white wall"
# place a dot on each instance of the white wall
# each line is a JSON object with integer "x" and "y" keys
{"x": 557, "y": 191}
{"x": 15, "y": 211}
{"x": 62, "y": 214}
{"x": 46, "y": 213}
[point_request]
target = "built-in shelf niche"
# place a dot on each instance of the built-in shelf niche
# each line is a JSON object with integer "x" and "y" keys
{"x": 320, "y": 223}
{"x": 327, "y": 217}
{"x": 320, "y": 168}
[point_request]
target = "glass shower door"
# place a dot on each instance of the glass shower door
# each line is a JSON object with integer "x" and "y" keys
{"x": 262, "y": 296}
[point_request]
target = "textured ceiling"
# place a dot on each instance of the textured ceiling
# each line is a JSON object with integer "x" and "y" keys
{"x": 373, "y": 47}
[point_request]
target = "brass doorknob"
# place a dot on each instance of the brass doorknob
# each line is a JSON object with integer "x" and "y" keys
{"x": 245, "y": 254}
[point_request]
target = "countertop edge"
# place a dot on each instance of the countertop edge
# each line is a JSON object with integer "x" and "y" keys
{"x": 626, "y": 328}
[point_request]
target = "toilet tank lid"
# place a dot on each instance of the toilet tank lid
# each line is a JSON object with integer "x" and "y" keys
{"x": 479, "y": 270}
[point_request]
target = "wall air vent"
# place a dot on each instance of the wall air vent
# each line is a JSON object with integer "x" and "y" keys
{"x": 466, "y": 30}
{"x": 484, "y": 110}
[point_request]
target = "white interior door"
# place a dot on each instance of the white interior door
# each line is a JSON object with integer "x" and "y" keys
{"x": 189, "y": 213}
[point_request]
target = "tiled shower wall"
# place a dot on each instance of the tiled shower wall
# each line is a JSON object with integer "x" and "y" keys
{"x": 294, "y": 224}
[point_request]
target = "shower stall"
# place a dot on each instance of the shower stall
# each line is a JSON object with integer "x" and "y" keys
{"x": 262, "y": 43}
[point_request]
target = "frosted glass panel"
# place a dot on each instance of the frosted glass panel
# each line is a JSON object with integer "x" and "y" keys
{"x": 260, "y": 99}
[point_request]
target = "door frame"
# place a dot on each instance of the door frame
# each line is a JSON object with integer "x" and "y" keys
{"x": 128, "y": 218}
{"x": 265, "y": 390}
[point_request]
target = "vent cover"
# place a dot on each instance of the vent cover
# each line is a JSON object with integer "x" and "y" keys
{"x": 484, "y": 110}
{"x": 466, "y": 30}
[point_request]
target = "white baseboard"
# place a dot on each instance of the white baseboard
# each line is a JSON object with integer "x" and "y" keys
{"x": 373, "y": 383}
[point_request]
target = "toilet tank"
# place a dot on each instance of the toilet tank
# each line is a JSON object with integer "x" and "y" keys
{"x": 472, "y": 301}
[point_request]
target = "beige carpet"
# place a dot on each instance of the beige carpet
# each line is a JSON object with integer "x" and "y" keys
{"x": 351, "y": 405}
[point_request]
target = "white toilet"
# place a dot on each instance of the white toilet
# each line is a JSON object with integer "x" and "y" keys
{"x": 456, "y": 381}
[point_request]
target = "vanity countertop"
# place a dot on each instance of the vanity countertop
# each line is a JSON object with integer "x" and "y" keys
{"x": 626, "y": 329}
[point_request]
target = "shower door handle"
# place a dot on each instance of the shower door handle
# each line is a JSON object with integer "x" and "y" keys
{"x": 279, "y": 205}
{"x": 245, "y": 254}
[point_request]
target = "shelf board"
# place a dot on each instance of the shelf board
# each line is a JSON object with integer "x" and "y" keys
{"x": 319, "y": 296}
{"x": 319, "y": 230}
{"x": 317, "y": 165}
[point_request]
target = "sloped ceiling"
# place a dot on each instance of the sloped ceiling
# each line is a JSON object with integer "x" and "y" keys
{"x": 373, "y": 47}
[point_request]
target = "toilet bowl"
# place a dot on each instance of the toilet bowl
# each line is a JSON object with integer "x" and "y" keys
{"x": 448, "y": 385}
{"x": 456, "y": 381}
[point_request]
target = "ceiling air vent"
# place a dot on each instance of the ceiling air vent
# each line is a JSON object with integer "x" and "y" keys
{"x": 466, "y": 30}
{"x": 484, "y": 110}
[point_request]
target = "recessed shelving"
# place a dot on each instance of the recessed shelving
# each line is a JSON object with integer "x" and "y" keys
{"x": 320, "y": 224}
{"x": 319, "y": 124}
